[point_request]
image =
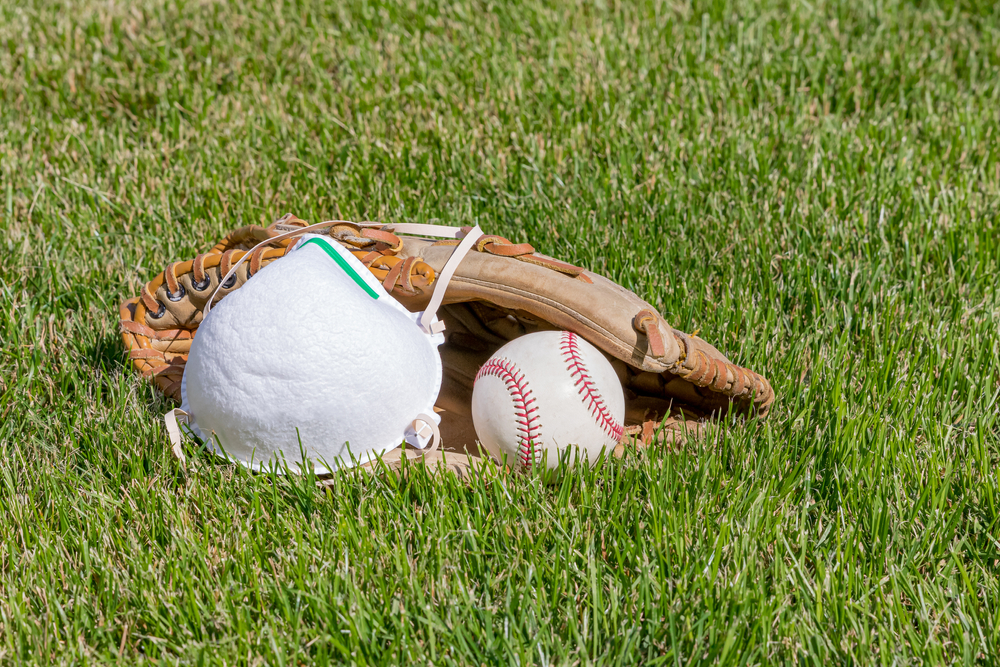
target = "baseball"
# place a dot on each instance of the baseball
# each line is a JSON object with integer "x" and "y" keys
{"x": 543, "y": 394}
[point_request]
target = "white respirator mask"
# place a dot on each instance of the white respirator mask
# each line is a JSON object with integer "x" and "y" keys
{"x": 312, "y": 358}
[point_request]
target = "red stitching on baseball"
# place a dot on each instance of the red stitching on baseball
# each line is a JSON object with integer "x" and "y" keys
{"x": 524, "y": 406}
{"x": 588, "y": 389}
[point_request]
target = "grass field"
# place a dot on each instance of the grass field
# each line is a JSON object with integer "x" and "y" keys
{"x": 813, "y": 186}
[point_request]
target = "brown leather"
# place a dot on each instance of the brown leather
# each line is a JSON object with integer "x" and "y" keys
{"x": 645, "y": 322}
{"x": 498, "y": 245}
{"x": 500, "y": 291}
{"x": 561, "y": 267}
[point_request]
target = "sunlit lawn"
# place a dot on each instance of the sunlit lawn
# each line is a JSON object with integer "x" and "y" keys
{"x": 814, "y": 187}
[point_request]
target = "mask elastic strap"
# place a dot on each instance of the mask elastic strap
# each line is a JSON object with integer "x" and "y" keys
{"x": 171, "y": 420}
{"x": 427, "y": 322}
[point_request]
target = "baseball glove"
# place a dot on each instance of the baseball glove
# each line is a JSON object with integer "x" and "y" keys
{"x": 674, "y": 383}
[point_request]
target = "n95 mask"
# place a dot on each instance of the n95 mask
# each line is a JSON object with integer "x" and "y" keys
{"x": 312, "y": 357}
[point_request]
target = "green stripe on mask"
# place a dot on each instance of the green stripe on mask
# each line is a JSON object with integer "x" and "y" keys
{"x": 342, "y": 263}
